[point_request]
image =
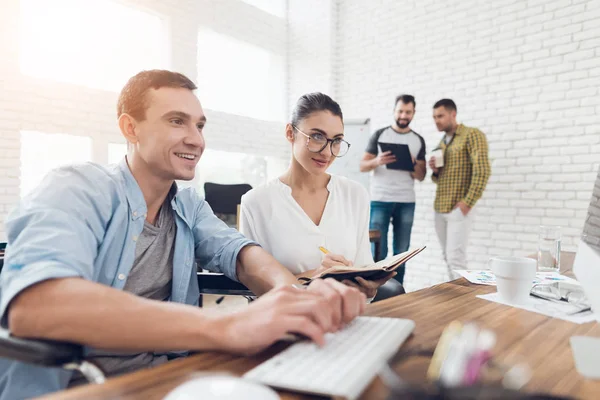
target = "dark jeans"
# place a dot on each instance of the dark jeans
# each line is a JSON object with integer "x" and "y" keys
{"x": 401, "y": 216}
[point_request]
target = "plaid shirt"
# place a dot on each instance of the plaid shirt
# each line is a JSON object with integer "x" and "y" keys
{"x": 466, "y": 169}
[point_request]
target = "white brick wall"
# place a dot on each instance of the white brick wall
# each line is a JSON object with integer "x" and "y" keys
{"x": 33, "y": 104}
{"x": 525, "y": 72}
{"x": 311, "y": 47}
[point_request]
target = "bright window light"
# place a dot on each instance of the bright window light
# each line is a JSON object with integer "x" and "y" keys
{"x": 42, "y": 152}
{"x": 116, "y": 152}
{"x": 275, "y": 7}
{"x": 226, "y": 167}
{"x": 239, "y": 78}
{"x": 93, "y": 43}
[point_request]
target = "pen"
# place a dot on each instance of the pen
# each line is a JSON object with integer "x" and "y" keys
{"x": 323, "y": 249}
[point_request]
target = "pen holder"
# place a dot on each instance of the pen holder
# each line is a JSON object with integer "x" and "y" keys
{"x": 460, "y": 367}
{"x": 403, "y": 389}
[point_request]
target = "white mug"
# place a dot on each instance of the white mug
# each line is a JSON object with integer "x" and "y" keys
{"x": 514, "y": 277}
{"x": 439, "y": 157}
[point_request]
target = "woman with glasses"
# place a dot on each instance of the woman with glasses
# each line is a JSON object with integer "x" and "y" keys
{"x": 307, "y": 212}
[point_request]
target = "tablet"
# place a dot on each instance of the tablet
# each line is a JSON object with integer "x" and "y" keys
{"x": 403, "y": 158}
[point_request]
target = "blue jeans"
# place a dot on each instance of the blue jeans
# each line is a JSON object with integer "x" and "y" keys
{"x": 402, "y": 216}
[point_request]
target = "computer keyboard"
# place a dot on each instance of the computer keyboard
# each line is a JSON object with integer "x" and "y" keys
{"x": 344, "y": 366}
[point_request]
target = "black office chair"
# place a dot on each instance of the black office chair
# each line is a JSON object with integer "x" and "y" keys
{"x": 224, "y": 201}
{"x": 389, "y": 289}
{"x": 47, "y": 353}
{"x": 220, "y": 285}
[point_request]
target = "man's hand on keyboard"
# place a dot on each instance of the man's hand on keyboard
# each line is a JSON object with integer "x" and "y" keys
{"x": 284, "y": 310}
{"x": 345, "y": 302}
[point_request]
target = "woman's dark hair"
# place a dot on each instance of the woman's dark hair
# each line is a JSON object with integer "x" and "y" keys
{"x": 314, "y": 102}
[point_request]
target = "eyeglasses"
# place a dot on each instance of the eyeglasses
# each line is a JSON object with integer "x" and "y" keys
{"x": 317, "y": 142}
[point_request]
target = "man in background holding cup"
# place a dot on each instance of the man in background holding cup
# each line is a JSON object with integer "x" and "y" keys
{"x": 461, "y": 169}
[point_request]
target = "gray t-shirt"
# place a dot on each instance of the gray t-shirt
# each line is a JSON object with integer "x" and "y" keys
{"x": 390, "y": 185}
{"x": 150, "y": 277}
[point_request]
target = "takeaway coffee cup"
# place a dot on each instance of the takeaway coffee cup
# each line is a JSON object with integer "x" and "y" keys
{"x": 514, "y": 277}
{"x": 439, "y": 157}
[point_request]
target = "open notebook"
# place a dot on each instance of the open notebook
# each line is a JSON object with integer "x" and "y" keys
{"x": 374, "y": 271}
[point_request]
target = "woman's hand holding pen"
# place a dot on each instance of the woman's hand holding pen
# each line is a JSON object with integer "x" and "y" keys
{"x": 332, "y": 260}
{"x": 329, "y": 260}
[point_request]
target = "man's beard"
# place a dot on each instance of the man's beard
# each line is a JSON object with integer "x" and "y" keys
{"x": 401, "y": 124}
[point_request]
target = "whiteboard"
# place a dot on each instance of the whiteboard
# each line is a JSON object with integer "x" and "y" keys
{"x": 356, "y": 132}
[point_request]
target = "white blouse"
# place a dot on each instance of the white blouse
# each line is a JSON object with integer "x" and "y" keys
{"x": 273, "y": 218}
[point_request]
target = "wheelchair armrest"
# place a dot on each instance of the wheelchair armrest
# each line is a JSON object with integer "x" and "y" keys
{"x": 38, "y": 351}
{"x": 219, "y": 284}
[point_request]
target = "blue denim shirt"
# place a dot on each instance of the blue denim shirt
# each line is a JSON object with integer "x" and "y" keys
{"x": 83, "y": 221}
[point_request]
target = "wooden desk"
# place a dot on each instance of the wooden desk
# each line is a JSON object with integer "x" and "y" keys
{"x": 522, "y": 336}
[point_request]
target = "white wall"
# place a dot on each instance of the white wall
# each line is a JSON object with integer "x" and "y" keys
{"x": 34, "y": 104}
{"x": 525, "y": 72}
{"x": 311, "y": 47}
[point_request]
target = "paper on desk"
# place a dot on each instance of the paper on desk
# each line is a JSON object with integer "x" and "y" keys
{"x": 546, "y": 307}
{"x": 486, "y": 277}
{"x": 479, "y": 277}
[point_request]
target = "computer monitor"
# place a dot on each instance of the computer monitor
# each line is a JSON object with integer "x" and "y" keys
{"x": 587, "y": 260}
